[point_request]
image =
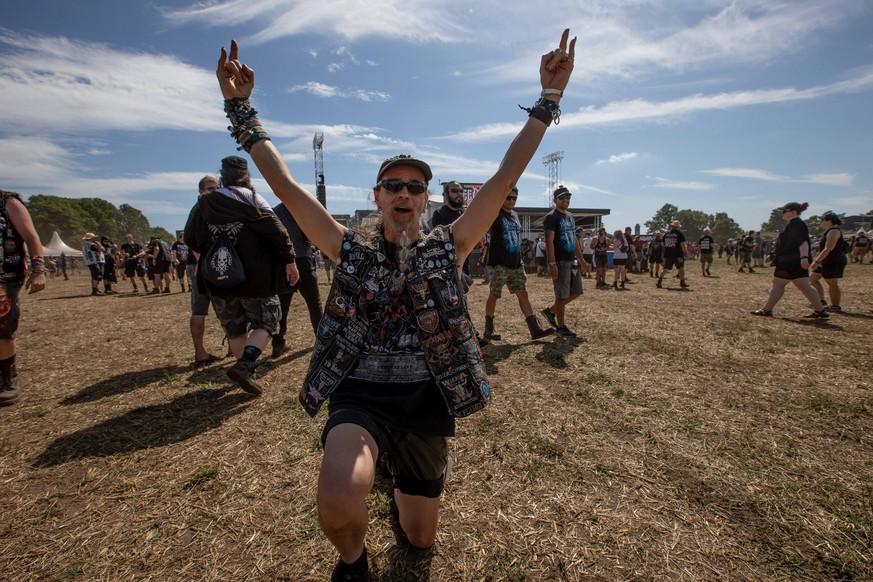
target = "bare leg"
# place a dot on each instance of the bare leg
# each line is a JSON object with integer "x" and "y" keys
{"x": 776, "y": 292}
{"x": 419, "y": 517}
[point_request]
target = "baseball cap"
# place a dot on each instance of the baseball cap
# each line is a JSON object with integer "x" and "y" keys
{"x": 405, "y": 160}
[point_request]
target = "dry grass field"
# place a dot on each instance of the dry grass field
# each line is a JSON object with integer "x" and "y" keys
{"x": 679, "y": 438}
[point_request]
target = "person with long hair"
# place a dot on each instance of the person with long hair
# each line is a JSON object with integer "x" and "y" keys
{"x": 791, "y": 259}
{"x": 619, "y": 259}
{"x": 396, "y": 356}
{"x": 600, "y": 246}
{"x": 830, "y": 262}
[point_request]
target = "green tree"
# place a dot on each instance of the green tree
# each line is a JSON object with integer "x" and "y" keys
{"x": 662, "y": 218}
{"x": 724, "y": 227}
{"x": 162, "y": 233}
{"x": 693, "y": 223}
{"x": 53, "y": 213}
{"x": 133, "y": 221}
{"x": 102, "y": 216}
{"x": 774, "y": 224}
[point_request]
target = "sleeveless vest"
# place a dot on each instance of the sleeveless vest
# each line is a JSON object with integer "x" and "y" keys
{"x": 447, "y": 336}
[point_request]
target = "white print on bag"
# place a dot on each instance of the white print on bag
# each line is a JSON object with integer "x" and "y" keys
{"x": 221, "y": 261}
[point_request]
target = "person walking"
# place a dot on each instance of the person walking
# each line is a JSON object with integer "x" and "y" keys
{"x": 656, "y": 255}
{"x": 507, "y": 268}
{"x": 199, "y": 296}
{"x": 17, "y": 229}
{"x": 620, "y": 248}
{"x": 706, "y": 244}
{"x": 830, "y": 263}
{"x": 133, "y": 255}
{"x": 564, "y": 258}
{"x": 92, "y": 253}
{"x": 267, "y": 257}
{"x": 396, "y": 353}
{"x": 675, "y": 253}
{"x": 792, "y": 259}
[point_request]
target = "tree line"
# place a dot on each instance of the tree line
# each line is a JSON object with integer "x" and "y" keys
{"x": 73, "y": 217}
{"x": 723, "y": 227}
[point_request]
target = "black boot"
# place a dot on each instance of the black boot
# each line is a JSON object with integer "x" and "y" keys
{"x": 536, "y": 332}
{"x": 489, "y": 329}
{"x": 10, "y": 382}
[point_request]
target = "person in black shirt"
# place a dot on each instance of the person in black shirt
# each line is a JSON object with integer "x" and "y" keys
{"x": 449, "y": 212}
{"x": 133, "y": 254}
{"x": 830, "y": 262}
{"x": 706, "y": 244}
{"x": 675, "y": 253}
{"x": 792, "y": 260}
{"x": 507, "y": 268}
{"x": 562, "y": 254}
{"x": 747, "y": 246}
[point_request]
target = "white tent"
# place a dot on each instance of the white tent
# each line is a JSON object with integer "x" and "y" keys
{"x": 56, "y": 246}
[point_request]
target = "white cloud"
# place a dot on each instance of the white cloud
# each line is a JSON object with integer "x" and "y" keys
{"x": 681, "y": 185}
{"x": 58, "y": 84}
{"x": 618, "y": 158}
{"x": 329, "y": 91}
{"x": 839, "y": 179}
{"x": 835, "y": 179}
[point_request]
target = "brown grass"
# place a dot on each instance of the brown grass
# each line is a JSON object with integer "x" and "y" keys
{"x": 680, "y": 439}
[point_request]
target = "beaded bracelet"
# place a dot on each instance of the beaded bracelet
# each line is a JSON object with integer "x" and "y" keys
{"x": 245, "y": 126}
{"x": 37, "y": 267}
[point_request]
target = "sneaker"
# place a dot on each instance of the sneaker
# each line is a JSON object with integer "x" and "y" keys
{"x": 834, "y": 309}
{"x": 358, "y": 571}
{"x": 817, "y": 315}
{"x": 154, "y": 291}
{"x": 279, "y": 348}
{"x": 563, "y": 331}
{"x": 166, "y": 289}
{"x": 550, "y": 317}
{"x": 243, "y": 373}
{"x": 97, "y": 293}
{"x": 763, "y": 312}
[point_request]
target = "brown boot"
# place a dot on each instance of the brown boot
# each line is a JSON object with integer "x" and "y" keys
{"x": 489, "y": 329}
{"x": 536, "y": 332}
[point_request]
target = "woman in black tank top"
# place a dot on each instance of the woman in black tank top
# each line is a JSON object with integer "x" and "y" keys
{"x": 830, "y": 262}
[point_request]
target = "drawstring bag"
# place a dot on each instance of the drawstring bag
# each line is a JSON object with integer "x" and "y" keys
{"x": 221, "y": 264}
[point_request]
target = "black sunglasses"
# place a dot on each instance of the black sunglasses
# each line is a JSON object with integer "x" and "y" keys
{"x": 455, "y": 190}
{"x": 512, "y": 197}
{"x": 567, "y": 196}
{"x": 395, "y": 185}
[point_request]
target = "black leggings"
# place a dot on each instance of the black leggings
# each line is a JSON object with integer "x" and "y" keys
{"x": 308, "y": 287}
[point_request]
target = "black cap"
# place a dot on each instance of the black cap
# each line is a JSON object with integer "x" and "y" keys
{"x": 559, "y": 191}
{"x": 234, "y": 163}
{"x": 405, "y": 160}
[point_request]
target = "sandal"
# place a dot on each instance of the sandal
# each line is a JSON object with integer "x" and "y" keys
{"x": 763, "y": 312}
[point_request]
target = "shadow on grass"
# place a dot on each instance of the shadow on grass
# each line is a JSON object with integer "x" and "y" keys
{"x": 555, "y": 353}
{"x": 126, "y": 382}
{"x": 147, "y": 427}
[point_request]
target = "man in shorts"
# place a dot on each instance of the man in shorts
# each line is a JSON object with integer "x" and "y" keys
{"x": 562, "y": 253}
{"x": 675, "y": 253}
{"x": 16, "y": 228}
{"x": 92, "y": 253}
{"x": 706, "y": 244}
{"x": 507, "y": 268}
{"x": 199, "y": 298}
{"x": 161, "y": 259}
{"x": 266, "y": 255}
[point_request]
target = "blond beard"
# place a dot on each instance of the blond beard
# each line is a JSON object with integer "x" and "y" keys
{"x": 410, "y": 225}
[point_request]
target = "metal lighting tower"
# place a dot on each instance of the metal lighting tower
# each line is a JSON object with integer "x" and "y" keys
{"x": 320, "y": 192}
{"x": 552, "y": 162}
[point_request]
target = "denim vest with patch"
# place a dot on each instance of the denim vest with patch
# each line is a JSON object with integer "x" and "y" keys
{"x": 447, "y": 336}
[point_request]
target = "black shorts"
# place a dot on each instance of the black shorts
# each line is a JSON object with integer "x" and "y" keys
{"x": 96, "y": 272}
{"x": 831, "y": 271}
{"x": 670, "y": 261}
{"x": 619, "y": 262}
{"x": 417, "y": 462}
{"x": 10, "y": 308}
{"x": 161, "y": 267}
{"x": 655, "y": 259}
{"x": 789, "y": 268}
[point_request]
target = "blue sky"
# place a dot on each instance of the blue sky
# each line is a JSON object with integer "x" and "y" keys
{"x": 710, "y": 105}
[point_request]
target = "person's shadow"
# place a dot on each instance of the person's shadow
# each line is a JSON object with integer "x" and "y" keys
{"x": 131, "y": 381}
{"x": 146, "y": 427}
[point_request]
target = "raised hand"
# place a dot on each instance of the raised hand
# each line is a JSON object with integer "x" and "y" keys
{"x": 235, "y": 79}
{"x": 557, "y": 65}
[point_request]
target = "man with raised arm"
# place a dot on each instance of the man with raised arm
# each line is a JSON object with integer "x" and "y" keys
{"x": 395, "y": 355}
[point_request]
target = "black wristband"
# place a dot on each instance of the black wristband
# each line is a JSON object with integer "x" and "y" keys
{"x": 545, "y": 110}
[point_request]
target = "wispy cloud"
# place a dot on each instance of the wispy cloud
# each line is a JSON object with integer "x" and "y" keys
{"x": 59, "y": 84}
{"x": 617, "y": 158}
{"x": 835, "y": 179}
{"x": 408, "y": 20}
{"x": 681, "y": 185}
{"x": 330, "y": 91}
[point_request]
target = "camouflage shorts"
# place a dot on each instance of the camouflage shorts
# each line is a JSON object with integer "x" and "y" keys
{"x": 515, "y": 279}
{"x": 240, "y": 314}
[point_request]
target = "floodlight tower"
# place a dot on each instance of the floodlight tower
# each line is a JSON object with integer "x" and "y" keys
{"x": 552, "y": 162}
{"x": 320, "y": 192}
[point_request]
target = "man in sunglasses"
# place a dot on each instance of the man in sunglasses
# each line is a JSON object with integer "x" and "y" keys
{"x": 562, "y": 252}
{"x": 507, "y": 268}
{"x": 395, "y": 355}
{"x": 449, "y": 212}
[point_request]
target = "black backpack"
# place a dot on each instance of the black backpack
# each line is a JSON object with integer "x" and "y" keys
{"x": 221, "y": 265}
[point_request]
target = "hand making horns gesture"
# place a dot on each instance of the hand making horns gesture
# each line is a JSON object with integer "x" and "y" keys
{"x": 236, "y": 79}
{"x": 557, "y": 65}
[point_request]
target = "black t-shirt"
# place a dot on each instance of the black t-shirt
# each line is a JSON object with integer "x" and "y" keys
{"x": 791, "y": 238}
{"x": 707, "y": 244}
{"x": 130, "y": 250}
{"x": 505, "y": 245}
{"x": 444, "y": 215}
{"x": 673, "y": 244}
{"x": 181, "y": 252}
{"x": 564, "y": 227}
